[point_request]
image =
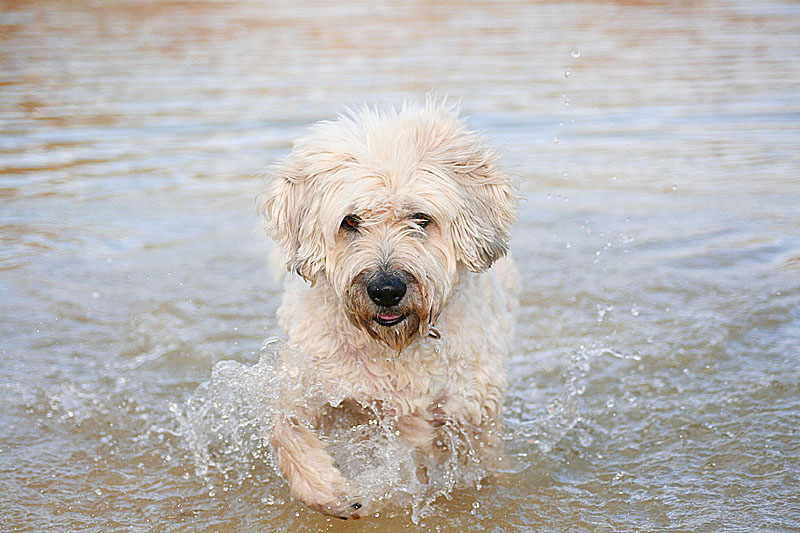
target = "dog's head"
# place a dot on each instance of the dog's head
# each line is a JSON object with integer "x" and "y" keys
{"x": 390, "y": 208}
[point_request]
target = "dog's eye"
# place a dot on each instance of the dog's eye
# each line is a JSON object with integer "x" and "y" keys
{"x": 351, "y": 223}
{"x": 422, "y": 220}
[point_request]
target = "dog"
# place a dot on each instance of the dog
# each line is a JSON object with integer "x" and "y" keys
{"x": 395, "y": 225}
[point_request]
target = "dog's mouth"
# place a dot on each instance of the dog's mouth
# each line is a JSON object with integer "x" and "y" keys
{"x": 389, "y": 318}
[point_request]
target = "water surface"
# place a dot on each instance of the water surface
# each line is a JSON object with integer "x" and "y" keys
{"x": 655, "y": 374}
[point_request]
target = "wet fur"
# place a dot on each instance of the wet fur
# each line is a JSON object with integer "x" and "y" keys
{"x": 443, "y": 364}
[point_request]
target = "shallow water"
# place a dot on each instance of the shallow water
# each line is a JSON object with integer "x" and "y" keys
{"x": 655, "y": 379}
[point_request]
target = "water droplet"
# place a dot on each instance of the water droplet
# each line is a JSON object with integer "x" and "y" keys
{"x": 576, "y": 53}
{"x": 602, "y": 310}
{"x": 567, "y": 73}
{"x": 556, "y": 140}
{"x": 674, "y": 187}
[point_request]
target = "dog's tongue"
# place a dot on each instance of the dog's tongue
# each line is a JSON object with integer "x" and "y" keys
{"x": 389, "y": 316}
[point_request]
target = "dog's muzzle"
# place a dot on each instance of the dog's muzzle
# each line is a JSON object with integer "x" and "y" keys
{"x": 387, "y": 290}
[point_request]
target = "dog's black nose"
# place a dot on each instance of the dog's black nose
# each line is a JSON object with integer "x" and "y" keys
{"x": 386, "y": 290}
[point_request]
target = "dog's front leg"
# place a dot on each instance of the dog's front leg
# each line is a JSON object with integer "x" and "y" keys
{"x": 313, "y": 477}
{"x": 416, "y": 430}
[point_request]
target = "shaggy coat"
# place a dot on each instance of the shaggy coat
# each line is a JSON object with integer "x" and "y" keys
{"x": 396, "y": 224}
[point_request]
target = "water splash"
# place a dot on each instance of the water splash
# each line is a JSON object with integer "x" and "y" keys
{"x": 546, "y": 427}
{"x": 227, "y": 420}
{"x": 533, "y": 431}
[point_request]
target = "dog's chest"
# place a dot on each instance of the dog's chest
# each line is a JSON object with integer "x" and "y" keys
{"x": 412, "y": 384}
{"x": 409, "y": 382}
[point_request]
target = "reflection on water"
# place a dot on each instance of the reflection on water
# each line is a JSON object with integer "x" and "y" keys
{"x": 655, "y": 379}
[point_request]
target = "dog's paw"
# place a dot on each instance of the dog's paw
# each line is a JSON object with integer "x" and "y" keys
{"x": 340, "y": 502}
{"x": 327, "y": 491}
{"x": 342, "y": 510}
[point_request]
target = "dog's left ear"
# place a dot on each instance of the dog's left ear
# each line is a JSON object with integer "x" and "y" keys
{"x": 481, "y": 230}
{"x": 285, "y": 207}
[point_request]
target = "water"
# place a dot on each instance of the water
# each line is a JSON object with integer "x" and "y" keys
{"x": 656, "y": 368}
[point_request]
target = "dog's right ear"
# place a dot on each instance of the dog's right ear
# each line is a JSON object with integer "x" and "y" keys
{"x": 295, "y": 205}
{"x": 284, "y": 211}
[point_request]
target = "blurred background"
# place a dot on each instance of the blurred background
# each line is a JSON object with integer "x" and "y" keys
{"x": 654, "y": 384}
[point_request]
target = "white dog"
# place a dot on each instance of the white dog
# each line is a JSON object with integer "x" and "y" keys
{"x": 393, "y": 219}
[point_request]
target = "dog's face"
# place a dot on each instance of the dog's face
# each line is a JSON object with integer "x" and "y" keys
{"x": 390, "y": 208}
